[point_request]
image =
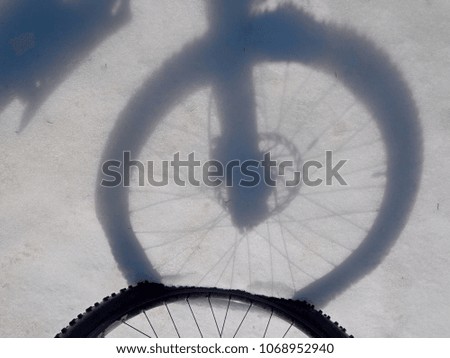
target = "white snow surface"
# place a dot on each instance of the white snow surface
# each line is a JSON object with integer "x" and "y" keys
{"x": 55, "y": 257}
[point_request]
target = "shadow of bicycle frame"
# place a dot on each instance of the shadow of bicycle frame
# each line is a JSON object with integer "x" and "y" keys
{"x": 42, "y": 42}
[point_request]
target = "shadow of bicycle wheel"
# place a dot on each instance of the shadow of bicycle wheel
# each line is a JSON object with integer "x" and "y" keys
{"x": 224, "y": 58}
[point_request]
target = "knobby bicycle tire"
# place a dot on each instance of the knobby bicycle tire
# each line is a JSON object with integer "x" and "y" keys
{"x": 116, "y": 309}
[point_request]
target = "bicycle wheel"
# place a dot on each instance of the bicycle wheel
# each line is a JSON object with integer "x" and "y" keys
{"x": 311, "y": 244}
{"x": 154, "y": 311}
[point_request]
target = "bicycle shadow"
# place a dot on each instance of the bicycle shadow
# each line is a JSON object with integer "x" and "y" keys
{"x": 224, "y": 57}
{"x": 42, "y": 42}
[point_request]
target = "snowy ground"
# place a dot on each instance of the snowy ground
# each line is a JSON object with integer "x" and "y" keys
{"x": 55, "y": 254}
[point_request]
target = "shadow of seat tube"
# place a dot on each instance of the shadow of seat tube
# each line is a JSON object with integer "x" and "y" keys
{"x": 236, "y": 41}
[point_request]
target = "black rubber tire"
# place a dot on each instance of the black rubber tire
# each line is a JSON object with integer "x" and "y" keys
{"x": 133, "y": 300}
